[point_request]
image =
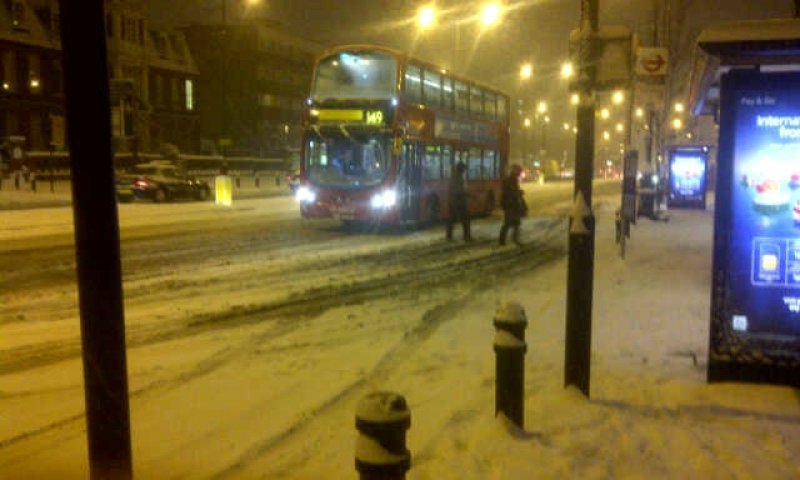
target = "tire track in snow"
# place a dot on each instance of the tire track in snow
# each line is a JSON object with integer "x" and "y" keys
{"x": 480, "y": 268}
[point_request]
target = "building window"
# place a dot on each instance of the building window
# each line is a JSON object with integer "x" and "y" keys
{"x": 8, "y": 71}
{"x": 18, "y": 15}
{"x": 34, "y": 73}
{"x": 189, "y": 85}
{"x": 175, "y": 100}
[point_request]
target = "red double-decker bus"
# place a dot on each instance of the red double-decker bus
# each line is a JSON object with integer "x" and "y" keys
{"x": 384, "y": 132}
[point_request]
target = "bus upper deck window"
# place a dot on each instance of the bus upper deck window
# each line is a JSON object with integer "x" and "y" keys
{"x": 413, "y": 84}
{"x": 462, "y": 97}
{"x": 432, "y": 89}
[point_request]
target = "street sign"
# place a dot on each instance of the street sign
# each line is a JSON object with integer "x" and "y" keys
{"x": 651, "y": 62}
{"x": 755, "y": 296}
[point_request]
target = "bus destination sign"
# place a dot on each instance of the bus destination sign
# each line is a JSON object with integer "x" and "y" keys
{"x": 366, "y": 117}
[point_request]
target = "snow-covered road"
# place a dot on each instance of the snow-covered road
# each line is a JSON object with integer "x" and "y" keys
{"x": 243, "y": 324}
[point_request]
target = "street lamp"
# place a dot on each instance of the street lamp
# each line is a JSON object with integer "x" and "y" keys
{"x": 490, "y": 14}
{"x": 541, "y": 107}
{"x": 567, "y": 70}
{"x": 426, "y": 17}
{"x": 605, "y": 113}
{"x": 618, "y": 97}
{"x": 526, "y": 71}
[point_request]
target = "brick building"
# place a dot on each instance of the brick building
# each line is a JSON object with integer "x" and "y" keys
{"x": 153, "y": 78}
{"x": 255, "y": 78}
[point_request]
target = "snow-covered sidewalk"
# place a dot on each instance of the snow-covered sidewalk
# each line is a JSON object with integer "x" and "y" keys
{"x": 651, "y": 412}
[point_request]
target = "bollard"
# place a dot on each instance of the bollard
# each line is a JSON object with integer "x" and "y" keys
{"x": 277, "y": 180}
{"x": 382, "y": 419}
{"x": 33, "y": 183}
{"x": 258, "y": 182}
{"x": 509, "y": 347}
{"x": 238, "y": 182}
{"x": 16, "y": 181}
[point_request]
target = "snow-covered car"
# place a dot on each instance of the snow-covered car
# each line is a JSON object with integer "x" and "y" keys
{"x": 162, "y": 182}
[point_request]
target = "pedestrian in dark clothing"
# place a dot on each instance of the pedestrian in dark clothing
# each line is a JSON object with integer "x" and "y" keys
{"x": 457, "y": 203}
{"x": 514, "y": 207}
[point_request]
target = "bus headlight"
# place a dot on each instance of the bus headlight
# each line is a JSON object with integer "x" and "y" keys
{"x": 384, "y": 199}
{"x": 305, "y": 195}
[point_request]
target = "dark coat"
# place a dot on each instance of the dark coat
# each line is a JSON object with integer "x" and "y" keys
{"x": 512, "y": 201}
{"x": 457, "y": 197}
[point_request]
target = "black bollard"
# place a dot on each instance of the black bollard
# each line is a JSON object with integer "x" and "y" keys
{"x": 258, "y": 182}
{"x": 509, "y": 347}
{"x": 382, "y": 419}
{"x": 33, "y": 183}
{"x": 16, "y": 181}
{"x": 238, "y": 182}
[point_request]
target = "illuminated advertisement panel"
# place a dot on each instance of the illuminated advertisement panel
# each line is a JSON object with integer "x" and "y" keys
{"x": 755, "y": 308}
{"x": 687, "y": 177}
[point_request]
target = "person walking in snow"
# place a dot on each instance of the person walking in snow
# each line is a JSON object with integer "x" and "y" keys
{"x": 458, "y": 210}
{"x": 513, "y": 203}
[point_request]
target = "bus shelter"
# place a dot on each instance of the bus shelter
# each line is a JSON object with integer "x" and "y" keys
{"x": 747, "y": 75}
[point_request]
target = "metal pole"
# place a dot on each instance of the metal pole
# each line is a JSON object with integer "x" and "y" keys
{"x": 97, "y": 254}
{"x": 580, "y": 271}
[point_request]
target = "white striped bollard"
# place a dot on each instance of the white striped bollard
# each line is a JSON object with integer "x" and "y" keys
{"x": 382, "y": 419}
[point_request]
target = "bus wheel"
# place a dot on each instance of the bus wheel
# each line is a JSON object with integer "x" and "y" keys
{"x": 433, "y": 208}
{"x": 489, "y": 203}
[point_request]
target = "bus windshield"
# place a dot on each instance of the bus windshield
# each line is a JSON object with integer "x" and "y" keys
{"x": 350, "y": 159}
{"x": 355, "y": 75}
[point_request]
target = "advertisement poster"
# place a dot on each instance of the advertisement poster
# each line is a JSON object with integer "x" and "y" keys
{"x": 755, "y": 328}
{"x": 687, "y": 177}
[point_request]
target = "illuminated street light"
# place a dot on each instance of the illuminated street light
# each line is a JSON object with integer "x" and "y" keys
{"x": 541, "y": 107}
{"x": 574, "y": 99}
{"x": 606, "y": 136}
{"x": 620, "y": 128}
{"x": 679, "y": 107}
{"x": 490, "y": 15}
{"x": 546, "y": 119}
{"x": 426, "y": 17}
{"x": 567, "y": 70}
{"x": 526, "y": 71}
{"x": 527, "y": 122}
{"x": 618, "y": 97}
{"x": 566, "y": 126}
{"x": 677, "y": 123}
{"x": 604, "y": 114}
{"x": 639, "y": 112}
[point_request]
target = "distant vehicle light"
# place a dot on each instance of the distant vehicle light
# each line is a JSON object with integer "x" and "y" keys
{"x": 655, "y": 179}
{"x": 385, "y": 199}
{"x": 305, "y": 195}
{"x": 141, "y": 183}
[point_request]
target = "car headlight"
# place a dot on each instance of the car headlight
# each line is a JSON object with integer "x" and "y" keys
{"x": 305, "y": 195}
{"x": 384, "y": 199}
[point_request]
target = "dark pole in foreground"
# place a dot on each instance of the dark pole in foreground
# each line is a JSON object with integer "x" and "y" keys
{"x": 96, "y": 239}
{"x": 580, "y": 271}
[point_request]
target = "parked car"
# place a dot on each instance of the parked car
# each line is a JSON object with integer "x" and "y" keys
{"x": 124, "y": 185}
{"x": 293, "y": 180}
{"x": 162, "y": 182}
